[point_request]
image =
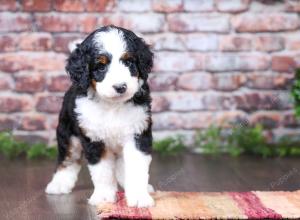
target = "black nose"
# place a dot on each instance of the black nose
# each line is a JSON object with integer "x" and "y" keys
{"x": 120, "y": 88}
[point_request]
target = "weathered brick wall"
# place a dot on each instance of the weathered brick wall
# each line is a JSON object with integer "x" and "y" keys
{"x": 217, "y": 61}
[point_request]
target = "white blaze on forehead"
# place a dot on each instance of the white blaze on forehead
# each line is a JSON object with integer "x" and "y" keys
{"x": 111, "y": 41}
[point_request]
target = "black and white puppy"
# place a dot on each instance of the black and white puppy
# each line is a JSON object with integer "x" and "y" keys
{"x": 106, "y": 116}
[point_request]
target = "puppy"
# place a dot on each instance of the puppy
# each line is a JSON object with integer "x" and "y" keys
{"x": 106, "y": 116}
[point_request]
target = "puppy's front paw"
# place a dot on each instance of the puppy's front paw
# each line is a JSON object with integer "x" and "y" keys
{"x": 139, "y": 200}
{"x": 102, "y": 196}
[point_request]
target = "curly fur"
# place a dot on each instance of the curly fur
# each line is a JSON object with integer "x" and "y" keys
{"x": 108, "y": 128}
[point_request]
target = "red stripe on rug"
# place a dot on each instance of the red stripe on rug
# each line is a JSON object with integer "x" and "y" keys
{"x": 123, "y": 211}
{"x": 253, "y": 207}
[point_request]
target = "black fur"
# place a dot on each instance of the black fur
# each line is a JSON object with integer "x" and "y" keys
{"x": 82, "y": 67}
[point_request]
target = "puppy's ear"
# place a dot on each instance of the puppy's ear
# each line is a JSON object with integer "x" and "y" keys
{"x": 78, "y": 68}
{"x": 145, "y": 58}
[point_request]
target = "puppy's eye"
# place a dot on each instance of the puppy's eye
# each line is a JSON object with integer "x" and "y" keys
{"x": 102, "y": 67}
{"x": 129, "y": 62}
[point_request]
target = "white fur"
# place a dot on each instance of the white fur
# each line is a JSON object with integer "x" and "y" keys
{"x": 112, "y": 42}
{"x": 111, "y": 123}
{"x": 120, "y": 174}
{"x": 116, "y": 124}
{"x": 64, "y": 180}
{"x": 104, "y": 180}
{"x": 136, "y": 165}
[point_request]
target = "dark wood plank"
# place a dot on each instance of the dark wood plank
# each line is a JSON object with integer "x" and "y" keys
{"x": 22, "y": 182}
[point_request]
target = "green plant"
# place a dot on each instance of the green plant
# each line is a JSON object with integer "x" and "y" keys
{"x": 210, "y": 140}
{"x": 286, "y": 146}
{"x": 244, "y": 140}
{"x": 248, "y": 140}
{"x": 296, "y": 92}
{"x": 12, "y": 148}
{"x": 40, "y": 150}
{"x": 169, "y": 145}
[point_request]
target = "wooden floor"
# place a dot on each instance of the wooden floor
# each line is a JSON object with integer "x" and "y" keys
{"x": 22, "y": 182}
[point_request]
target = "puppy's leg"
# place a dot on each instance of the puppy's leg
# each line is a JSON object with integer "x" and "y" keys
{"x": 102, "y": 170}
{"x": 120, "y": 174}
{"x": 69, "y": 160}
{"x": 136, "y": 164}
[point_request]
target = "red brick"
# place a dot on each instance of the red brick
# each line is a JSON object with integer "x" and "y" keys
{"x": 159, "y": 103}
{"x": 197, "y": 22}
{"x": 6, "y": 123}
{"x": 12, "y": 62}
{"x": 8, "y": 5}
{"x": 235, "y": 43}
{"x": 172, "y": 61}
{"x": 167, "y": 5}
{"x": 57, "y": 22}
{"x": 100, "y": 6}
{"x": 134, "y": 5}
{"x": 69, "y": 5}
{"x": 269, "y": 81}
{"x": 36, "y": 5}
{"x": 87, "y": 23}
{"x": 265, "y": 22}
{"x": 30, "y": 83}
{"x": 5, "y": 82}
{"x": 53, "y": 122}
{"x": 194, "y": 81}
{"x": 229, "y": 119}
{"x": 137, "y": 22}
{"x": 15, "y": 22}
{"x": 32, "y": 123}
{"x": 292, "y": 41}
{"x": 292, "y": 5}
{"x": 251, "y": 101}
{"x": 162, "y": 82}
{"x": 62, "y": 41}
{"x": 190, "y": 120}
{"x": 59, "y": 83}
{"x": 267, "y": 119}
{"x": 14, "y": 104}
{"x": 232, "y": 5}
{"x": 283, "y": 63}
{"x": 236, "y": 62}
{"x": 201, "y": 42}
{"x": 199, "y": 5}
{"x": 49, "y": 104}
{"x": 228, "y": 82}
{"x": 9, "y": 42}
{"x": 35, "y": 41}
{"x": 268, "y": 43}
{"x": 217, "y": 101}
{"x": 290, "y": 120}
{"x": 165, "y": 42}
{"x": 185, "y": 101}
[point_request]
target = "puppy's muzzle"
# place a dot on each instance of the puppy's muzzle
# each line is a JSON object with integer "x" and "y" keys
{"x": 120, "y": 88}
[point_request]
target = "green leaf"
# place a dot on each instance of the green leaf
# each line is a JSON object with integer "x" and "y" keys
{"x": 169, "y": 145}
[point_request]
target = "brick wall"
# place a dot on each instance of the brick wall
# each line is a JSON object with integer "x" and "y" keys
{"x": 216, "y": 61}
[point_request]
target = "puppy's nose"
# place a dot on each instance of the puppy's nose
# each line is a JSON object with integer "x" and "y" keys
{"x": 120, "y": 88}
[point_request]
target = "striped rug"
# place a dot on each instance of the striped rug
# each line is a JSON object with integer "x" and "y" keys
{"x": 210, "y": 205}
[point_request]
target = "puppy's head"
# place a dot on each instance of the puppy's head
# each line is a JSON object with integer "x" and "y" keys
{"x": 112, "y": 61}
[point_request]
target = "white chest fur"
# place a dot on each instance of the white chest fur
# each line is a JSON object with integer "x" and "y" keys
{"x": 111, "y": 123}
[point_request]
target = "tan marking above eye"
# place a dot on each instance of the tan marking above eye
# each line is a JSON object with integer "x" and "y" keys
{"x": 126, "y": 56}
{"x": 103, "y": 59}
